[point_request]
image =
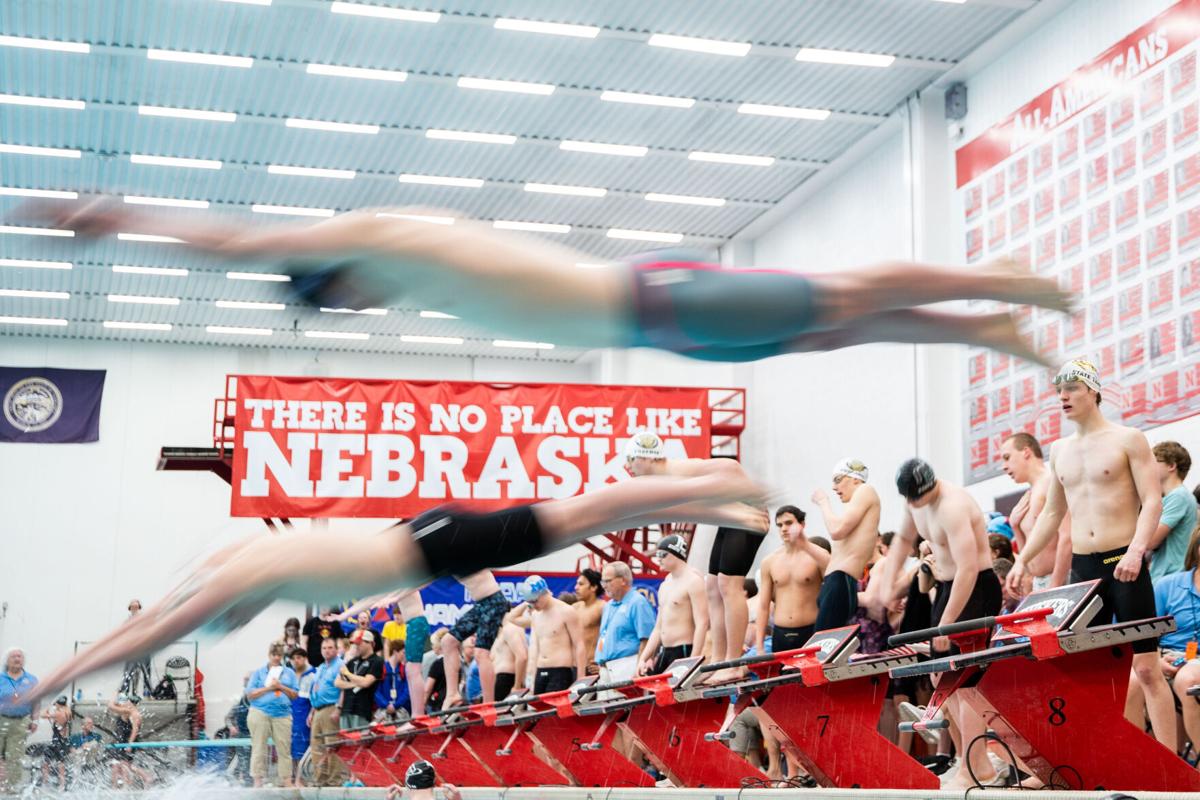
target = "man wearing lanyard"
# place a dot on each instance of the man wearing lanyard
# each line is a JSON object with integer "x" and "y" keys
{"x": 391, "y": 693}
{"x": 326, "y": 711}
{"x": 625, "y": 624}
{"x": 17, "y": 718}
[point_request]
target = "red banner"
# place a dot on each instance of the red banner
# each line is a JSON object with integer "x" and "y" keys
{"x": 330, "y": 447}
{"x": 1113, "y": 71}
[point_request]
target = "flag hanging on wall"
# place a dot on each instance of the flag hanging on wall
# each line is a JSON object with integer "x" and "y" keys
{"x": 50, "y": 406}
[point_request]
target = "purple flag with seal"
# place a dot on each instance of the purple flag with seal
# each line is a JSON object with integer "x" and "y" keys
{"x": 50, "y": 406}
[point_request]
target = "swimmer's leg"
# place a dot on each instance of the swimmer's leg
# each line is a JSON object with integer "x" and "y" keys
{"x": 903, "y": 326}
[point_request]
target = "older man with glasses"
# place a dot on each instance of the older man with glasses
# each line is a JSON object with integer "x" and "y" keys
{"x": 625, "y": 624}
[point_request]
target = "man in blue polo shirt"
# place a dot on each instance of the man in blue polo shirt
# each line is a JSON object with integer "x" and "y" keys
{"x": 18, "y": 719}
{"x": 625, "y": 624}
{"x": 326, "y": 712}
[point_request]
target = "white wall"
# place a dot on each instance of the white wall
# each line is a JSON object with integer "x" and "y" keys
{"x": 87, "y": 527}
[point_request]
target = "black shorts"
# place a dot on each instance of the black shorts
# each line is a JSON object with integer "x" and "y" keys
{"x": 985, "y": 599}
{"x": 666, "y": 655}
{"x": 505, "y": 681}
{"x": 790, "y": 638}
{"x": 553, "y": 679}
{"x": 733, "y": 551}
{"x": 482, "y": 619}
{"x": 1127, "y": 601}
{"x": 456, "y": 542}
{"x": 837, "y": 601}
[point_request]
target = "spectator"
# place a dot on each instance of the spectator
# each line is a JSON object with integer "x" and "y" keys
{"x": 391, "y": 694}
{"x": 18, "y": 719}
{"x": 589, "y": 606}
{"x": 357, "y": 678}
{"x": 394, "y": 632}
{"x": 271, "y": 690}
{"x": 821, "y": 542}
{"x": 1002, "y": 566}
{"x": 125, "y": 731}
{"x": 87, "y": 752}
{"x": 1001, "y": 547}
{"x": 472, "y": 684}
{"x": 302, "y": 704}
{"x": 138, "y": 670}
{"x": 625, "y": 624}
{"x": 323, "y": 720}
{"x": 1169, "y": 545}
{"x": 316, "y": 630}
{"x": 1178, "y": 595}
{"x": 55, "y": 753}
{"x": 435, "y": 674}
{"x": 291, "y": 635}
{"x": 237, "y": 720}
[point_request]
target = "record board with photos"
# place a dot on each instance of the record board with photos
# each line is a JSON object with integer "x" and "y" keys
{"x": 1097, "y": 183}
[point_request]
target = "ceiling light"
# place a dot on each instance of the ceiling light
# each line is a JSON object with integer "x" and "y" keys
{"x": 787, "y": 112}
{"x": 28, "y": 150}
{"x": 731, "y": 158}
{"x": 24, "y": 231}
{"x": 267, "y": 277}
{"x": 430, "y": 218}
{"x": 524, "y": 345}
{"x": 820, "y": 56}
{"x": 35, "y": 294}
{"x": 12, "y": 191}
{"x": 576, "y": 191}
{"x": 647, "y": 99}
{"x": 335, "y": 127}
{"x": 187, "y": 113}
{"x": 24, "y": 262}
{"x": 357, "y": 72}
{"x": 374, "y": 312}
{"x": 139, "y": 326}
{"x": 362, "y": 337}
{"x": 470, "y": 136}
{"x": 437, "y": 315}
{"x": 148, "y": 237}
{"x": 246, "y": 304}
{"x": 402, "y": 14}
{"x": 44, "y": 44}
{"x": 32, "y": 321}
{"x": 413, "y": 339}
{"x": 539, "y": 227}
{"x": 173, "y": 272}
{"x": 141, "y": 300}
{"x": 644, "y": 236}
{"x": 552, "y": 28}
{"x": 172, "y": 161}
{"x": 294, "y": 211}
{"x": 518, "y": 87}
{"x": 635, "y": 151}
{"x": 250, "y": 2}
{"x": 311, "y": 172}
{"x": 438, "y": 180}
{"x": 586, "y": 265}
{"x": 170, "y": 202}
{"x": 238, "y": 331}
{"x": 184, "y": 57}
{"x": 685, "y": 199}
{"x": 714, "y": 46}
{"x": 956, "y": 2}
{"x": 43, "y": 102}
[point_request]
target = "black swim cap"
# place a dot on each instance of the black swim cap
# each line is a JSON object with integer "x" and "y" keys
{"x": 419, "y": 775}
{"x": 915, "y": 478}
{"x": 673, "y": 544}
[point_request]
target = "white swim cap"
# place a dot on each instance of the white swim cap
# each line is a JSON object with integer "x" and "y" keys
{"x": 1079, "y": 370}
{"x": 644, "y": 444}
{"x": 852, "y": 467}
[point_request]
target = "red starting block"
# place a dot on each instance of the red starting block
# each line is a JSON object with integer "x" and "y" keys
{"x": 1053, "y": 690}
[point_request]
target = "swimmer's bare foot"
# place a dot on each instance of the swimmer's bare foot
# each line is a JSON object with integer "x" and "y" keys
{"x": 727, "y": 675}
{"x": 452, "y": 701}
{"x": 999, "y": 332}
{"x": 1011, "y": 281}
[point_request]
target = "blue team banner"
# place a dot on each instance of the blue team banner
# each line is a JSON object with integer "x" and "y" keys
{"x": 50, "y": 406}
{"x": 446, "y": 599}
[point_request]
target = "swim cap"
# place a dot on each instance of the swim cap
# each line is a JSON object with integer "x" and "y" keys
{"x": 673, "y": 544}
{"x": 852, "y": 467}
{"x": 533, "y": 587}
{"x": 419, "y": 775}
{"x": 915, "y": 478}
{"x": 998, "y": 523}
{"x": 644, "y": 444}
{"x": 1079, "y": 370}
